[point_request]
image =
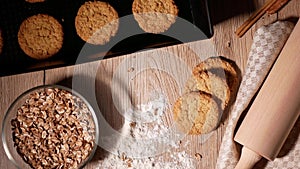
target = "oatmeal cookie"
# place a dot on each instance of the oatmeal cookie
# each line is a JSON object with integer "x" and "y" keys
{"x": 40, "y": 36}
{"x": 221, "y": 67}
{"x": 196, "y": 113}
{"x": 217, "y": 76}
{"x": 96, "y": 22}
{"x": 155, "y": 16}
{"x": 209, "y": 83}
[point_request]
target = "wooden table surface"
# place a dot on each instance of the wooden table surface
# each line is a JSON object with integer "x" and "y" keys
{"x": 227, "y": 15}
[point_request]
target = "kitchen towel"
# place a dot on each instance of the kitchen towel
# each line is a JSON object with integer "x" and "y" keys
{"x": 267, "y": 44}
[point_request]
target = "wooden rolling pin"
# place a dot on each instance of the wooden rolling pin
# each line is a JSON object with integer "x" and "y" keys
{"x": 275, "y": 109}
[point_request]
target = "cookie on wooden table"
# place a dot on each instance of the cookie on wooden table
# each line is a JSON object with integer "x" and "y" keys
{"x": 210, "y": 83}
{"x": 40, "y": 36}
{"x": 1, "y": 41}
{"x": 196, "y": 113}
{"x": 221, "y": 67}
{"x": 154, "y": 16}
{"x": 96, "y": 22}
{"x": 218, "y": 77}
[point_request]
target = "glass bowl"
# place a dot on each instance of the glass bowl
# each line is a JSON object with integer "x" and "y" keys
{"x": 23, "y": 134}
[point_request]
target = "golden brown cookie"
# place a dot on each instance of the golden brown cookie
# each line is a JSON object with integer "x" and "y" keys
{"x": 196, "y": 113}
{"x": 221, "y": 67}
{"x": 34, "y": 1}
{"x": 155, "y": 16}
{"x": 96, "y": 22}
{"x": 1, "y": 41}
{"x": 40, "y": 36}
{"x": 210, "y": 83}
{"x": 217, "y": 76}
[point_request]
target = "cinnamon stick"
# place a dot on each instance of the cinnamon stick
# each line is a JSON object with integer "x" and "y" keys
{"x": 278, "y": 5}
{"x": 254, "y": 18}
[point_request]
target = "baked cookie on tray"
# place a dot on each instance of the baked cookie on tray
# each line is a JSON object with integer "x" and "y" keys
{"x": 196, "y": 113}
{"x": 96, "y": 22}
{"x": 155, "y": 16}
{"x": 40, "y": 36}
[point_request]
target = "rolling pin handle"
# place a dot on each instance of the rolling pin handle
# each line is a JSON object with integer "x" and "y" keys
{"x": 248, "y": 159}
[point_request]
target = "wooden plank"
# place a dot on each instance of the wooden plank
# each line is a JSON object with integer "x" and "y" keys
{"x": 10, "y": 88}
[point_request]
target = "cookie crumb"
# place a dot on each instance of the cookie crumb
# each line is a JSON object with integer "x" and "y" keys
{"x": 228, "y": 44}
{"x": 131, "y": 69}
{"x": 132, "y": 124}
{"x": 198, "y": 156}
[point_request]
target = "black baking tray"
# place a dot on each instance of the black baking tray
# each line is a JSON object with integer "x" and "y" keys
{"x": 13, "y": 12}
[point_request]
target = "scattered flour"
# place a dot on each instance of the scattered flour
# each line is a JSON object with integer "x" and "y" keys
{"x": 152, "y": 145}
{"x": 180, "y": 160}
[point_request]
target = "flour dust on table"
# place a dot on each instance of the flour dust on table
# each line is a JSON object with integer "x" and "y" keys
{"x": 139, "y": 148}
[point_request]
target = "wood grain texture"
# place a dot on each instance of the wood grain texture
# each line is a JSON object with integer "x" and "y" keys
{"x": 10, "y": 88}
{"x": 94, "y": 80}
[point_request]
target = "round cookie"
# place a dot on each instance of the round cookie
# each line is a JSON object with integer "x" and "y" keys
{"x": 96, "y": 22}
{"x": 221, "y": 67}
{"x": 218, "y": 76}
{"x": 154, "y": 16}
{"x": 196, "y": 113}
{"x": 1, "y": 41}
{"x": 210, "y": 83}
{"x": 40, "y": 36}
{"x": 34, "y": 1}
